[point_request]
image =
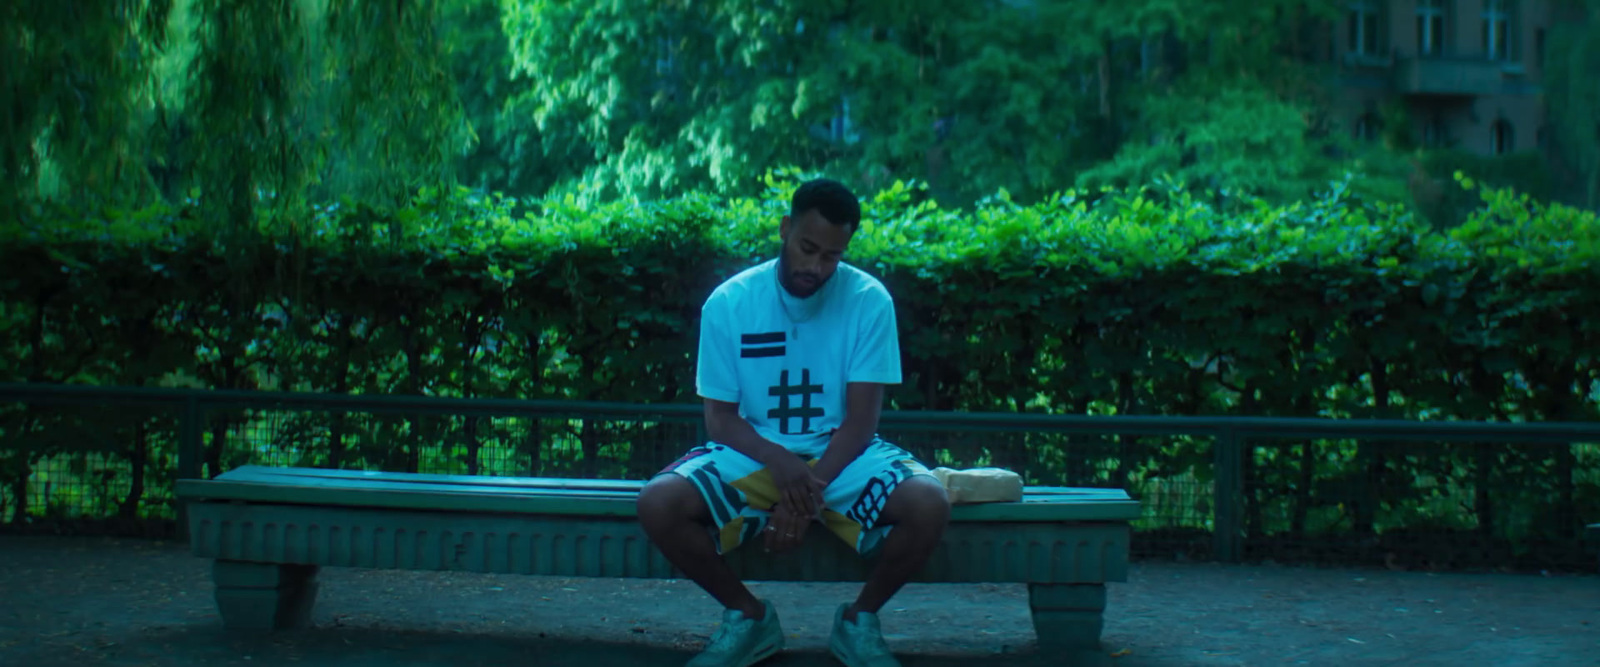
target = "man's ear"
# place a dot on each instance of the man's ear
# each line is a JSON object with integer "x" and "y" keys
{"x": 785, "y": 227}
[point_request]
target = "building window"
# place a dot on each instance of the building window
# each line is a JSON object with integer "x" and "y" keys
{"x": 1364, "y": 28}
{"x": 665, "y": 60}
{"x": 841, "y": 129}
{"x": 1502, "y": 136}
{"x": 1430, "y": 27}
{"x": 1434, "y": 134}
{"x": 1497, "y": 29}
{"x": 1367, "y": 127}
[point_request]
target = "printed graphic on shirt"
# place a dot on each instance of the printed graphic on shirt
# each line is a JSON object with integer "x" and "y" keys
{"x": 786, "y": 412}
{"x": 761, "y": 345}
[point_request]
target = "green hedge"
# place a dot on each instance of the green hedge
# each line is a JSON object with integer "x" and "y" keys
{"x": 1146, "y": 303}
{"x": 1108, "y": 303}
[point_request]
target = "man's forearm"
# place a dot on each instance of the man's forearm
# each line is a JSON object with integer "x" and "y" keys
{"x": 740, "y": 436}
{"x": 847, "y": 443}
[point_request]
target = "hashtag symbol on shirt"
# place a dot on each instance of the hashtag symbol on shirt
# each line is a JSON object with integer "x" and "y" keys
{"x": 784, "y": 412}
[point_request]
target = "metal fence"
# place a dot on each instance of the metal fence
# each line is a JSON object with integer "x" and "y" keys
{"x": 1442, "y": 495}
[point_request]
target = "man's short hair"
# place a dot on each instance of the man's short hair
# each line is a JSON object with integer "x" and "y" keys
{"x": 830, "y": 198}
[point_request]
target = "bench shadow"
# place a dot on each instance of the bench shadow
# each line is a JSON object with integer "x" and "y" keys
{"x": 207, "y": 644}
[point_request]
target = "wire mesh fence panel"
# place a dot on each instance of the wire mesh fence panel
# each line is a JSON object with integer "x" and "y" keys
{"x": 97, "y": 466}
{"x": 89, "y": 465}
{"x": 1169, "y": 475}
{"x": 1421, "y": 505}
{"x": 520, "y": 445}
{"x": 612, "y": 449}
{"x": 83, "y": 464}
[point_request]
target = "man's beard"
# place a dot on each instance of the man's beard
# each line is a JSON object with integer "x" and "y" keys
{"x": 787, "y": 279}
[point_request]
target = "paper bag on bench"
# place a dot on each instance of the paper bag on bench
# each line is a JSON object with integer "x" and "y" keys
{"x": 980, "y": 485}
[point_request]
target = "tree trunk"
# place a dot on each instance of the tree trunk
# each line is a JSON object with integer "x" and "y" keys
{"x": 1105, "y": 79}
{"x": 140, "y": 458}
{"x": 1132, "y": 449}
{"x": 414, "y": 387}
{"x": 1078, "y": 470}
{"x": 1562, "y": 408}
{"x": 19, "y": 491}
{"x": 30, "y": 422}
{"x": 533, "y": 445}
{"x": 1255, "y": 526}
{"x": 474, "y": 446}
{"x": 1566, "y": 502}
{"x": 1016, "y": 455}
{"x": 1308, "y": 477}
{"x": 1594, "y": 188}
{"x": 341, "y": 386}
{"x": 1370, "y": 461}
{"x": 589, "y": 439}
{"x": 1490, "y": 387}
{"x": 219, "y": 439}
{"x": 1482, "y": 505}
{"x": 471, "y": 430}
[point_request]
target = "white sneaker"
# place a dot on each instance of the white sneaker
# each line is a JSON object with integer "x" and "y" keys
{"x": 741, "y": 642}
{"x": 860, "y": 644}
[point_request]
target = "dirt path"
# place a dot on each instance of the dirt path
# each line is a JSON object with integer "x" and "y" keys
{"x": 125, "y": 603}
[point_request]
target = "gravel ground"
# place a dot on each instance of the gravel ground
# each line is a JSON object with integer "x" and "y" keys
{"x": 95, "y": 601}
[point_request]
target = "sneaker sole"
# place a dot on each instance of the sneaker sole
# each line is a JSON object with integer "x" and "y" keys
{"x": 838, "y": 654}
{"x": 767, "y": 651}
{"x": 759, "y": 655}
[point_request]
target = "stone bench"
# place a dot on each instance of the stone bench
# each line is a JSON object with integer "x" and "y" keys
{"x": 268, "y": 530}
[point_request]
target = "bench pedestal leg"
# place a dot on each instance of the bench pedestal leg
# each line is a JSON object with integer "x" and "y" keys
{"x": 264, "y": 596}
{"x": 1067, "y": 616}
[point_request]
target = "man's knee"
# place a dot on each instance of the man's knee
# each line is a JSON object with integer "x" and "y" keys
{"x": 668, "y": 499}
{"x": 920, "y": 499}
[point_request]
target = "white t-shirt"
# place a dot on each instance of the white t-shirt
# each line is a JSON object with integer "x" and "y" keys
{"x": 786, "y": 361}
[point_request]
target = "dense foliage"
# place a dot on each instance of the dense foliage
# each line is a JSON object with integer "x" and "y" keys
{"x": 1272, "y": 294}
{"x": 294, "y": 103}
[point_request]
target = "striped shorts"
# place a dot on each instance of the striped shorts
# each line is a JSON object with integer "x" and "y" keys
{"x": 740, "y": 492}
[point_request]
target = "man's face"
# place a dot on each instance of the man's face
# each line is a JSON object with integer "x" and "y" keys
{"x": 812, "y": 248}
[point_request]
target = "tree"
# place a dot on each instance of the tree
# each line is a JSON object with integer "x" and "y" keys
{"x": 652, "y": 98}
{"x": 72, "y": 79}
{"x": 1572, "y": 56}
{"x": 395, "y": 102}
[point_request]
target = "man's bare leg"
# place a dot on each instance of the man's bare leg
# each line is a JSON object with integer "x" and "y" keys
{"x": 919, "y": 510}
{"x": 675, "y": 518}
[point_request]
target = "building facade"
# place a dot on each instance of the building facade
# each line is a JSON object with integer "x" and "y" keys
{"x": 1467, "y": 71}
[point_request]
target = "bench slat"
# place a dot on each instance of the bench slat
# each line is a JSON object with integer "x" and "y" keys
{"x": 292, "y": 489}
{"x": 277, "y": 475}
{"x": 270, "y": 475}
{"x": 567, "y": 497}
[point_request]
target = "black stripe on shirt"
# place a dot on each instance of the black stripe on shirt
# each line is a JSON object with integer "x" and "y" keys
{"x": 766, "y": 340}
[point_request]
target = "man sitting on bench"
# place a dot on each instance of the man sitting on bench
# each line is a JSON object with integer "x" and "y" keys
{"x": 794, "y": 354}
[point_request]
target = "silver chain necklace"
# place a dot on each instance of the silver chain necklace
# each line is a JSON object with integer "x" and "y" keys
{"x": 794, "y": 324}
